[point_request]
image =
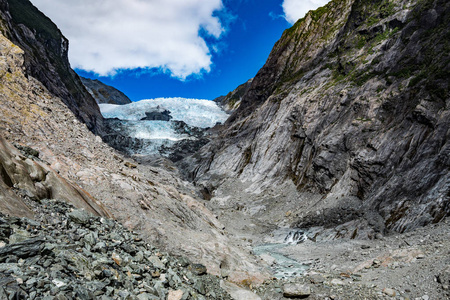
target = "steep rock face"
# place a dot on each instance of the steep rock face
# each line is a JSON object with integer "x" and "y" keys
{"x": 104, "y": 93}
{"x": 352, "y": 107}
{"x": 24, "y": 174}
{"x": 232, "y": 100}
{"x": 45, "y": 53}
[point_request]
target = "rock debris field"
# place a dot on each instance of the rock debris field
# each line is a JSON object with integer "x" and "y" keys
{"x": 68, "y": 254}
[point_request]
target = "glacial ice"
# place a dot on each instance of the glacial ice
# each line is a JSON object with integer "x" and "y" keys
{"x": 194, "y": 112}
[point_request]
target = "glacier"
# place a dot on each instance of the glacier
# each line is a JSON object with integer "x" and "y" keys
{"x": 194, "y": 112}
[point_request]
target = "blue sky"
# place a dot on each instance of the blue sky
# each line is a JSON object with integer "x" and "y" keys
{"x": 173, "y": 48}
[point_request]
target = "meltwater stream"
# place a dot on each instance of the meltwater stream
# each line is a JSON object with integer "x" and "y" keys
{"x": 283, "y": 266}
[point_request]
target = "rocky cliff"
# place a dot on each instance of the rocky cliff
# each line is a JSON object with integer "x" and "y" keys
{"x": 103, "y": 93}
{"x": 232, "y": 100}
{"x": 343, "y": 132}
{"x": 347, "y": 124}
{"x": 26, "y": 116}
{"x": 45, "y": 58}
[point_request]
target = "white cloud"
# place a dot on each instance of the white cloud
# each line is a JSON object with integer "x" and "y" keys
{"x": 108, "y": 35}
{"x": 297, "y": 9}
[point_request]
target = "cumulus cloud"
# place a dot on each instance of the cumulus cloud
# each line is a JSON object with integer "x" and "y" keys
{"x": 109, "y": 35}
{"x": 297, "y": 9}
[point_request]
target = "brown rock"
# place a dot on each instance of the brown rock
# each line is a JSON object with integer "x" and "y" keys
{"x": 175, "y": 295}
{"x": 389, "y": 292}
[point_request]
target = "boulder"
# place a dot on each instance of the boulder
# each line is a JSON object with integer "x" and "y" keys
{"x": 296, "y": 290}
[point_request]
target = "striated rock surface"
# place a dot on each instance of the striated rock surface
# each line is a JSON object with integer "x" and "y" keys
{"x": 346, "y": 124}
{"x": 103, "y": 93}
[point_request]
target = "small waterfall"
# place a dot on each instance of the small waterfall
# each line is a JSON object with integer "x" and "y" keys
{"x": 295, "y": 237}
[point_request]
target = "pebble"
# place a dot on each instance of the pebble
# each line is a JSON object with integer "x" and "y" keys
{"x": 389, "y": 292}
{"x": 336, "y": 281}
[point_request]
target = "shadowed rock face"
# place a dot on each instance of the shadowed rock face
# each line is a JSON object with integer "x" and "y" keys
{"x": 45, "y": 58}
{"x": 352, "y": 105}
{"x": 157, "y": 115}
{"x": 103, "y": 93}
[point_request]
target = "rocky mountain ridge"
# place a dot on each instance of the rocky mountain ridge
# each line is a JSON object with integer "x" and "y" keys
{"x": 232, "y": 100}
{"x": 350, "y": 114}
{"x": 45, "y": 58}
{"x": 103, "y": 93}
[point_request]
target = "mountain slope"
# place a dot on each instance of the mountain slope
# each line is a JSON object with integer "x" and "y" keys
{"x": 103, "y": 93}
{"x": 232, "y": 100}
{"x": 351, "y": 109}
{"x": 45, "y": 55}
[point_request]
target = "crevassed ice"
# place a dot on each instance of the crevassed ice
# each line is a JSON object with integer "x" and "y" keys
{"x": 153, "y": 130}
{"x": 195, "y": 112}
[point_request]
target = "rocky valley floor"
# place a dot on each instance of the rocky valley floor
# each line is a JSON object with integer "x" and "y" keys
{"x": 412, "y": 265}
{"x": 415, "y": 265}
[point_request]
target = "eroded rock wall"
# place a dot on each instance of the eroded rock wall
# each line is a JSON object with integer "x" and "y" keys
{"x": 352, "y": 105}
{"x": 103, "y": 93}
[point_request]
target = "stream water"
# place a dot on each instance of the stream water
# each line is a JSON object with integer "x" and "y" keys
{"x": 282, "y": 266}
